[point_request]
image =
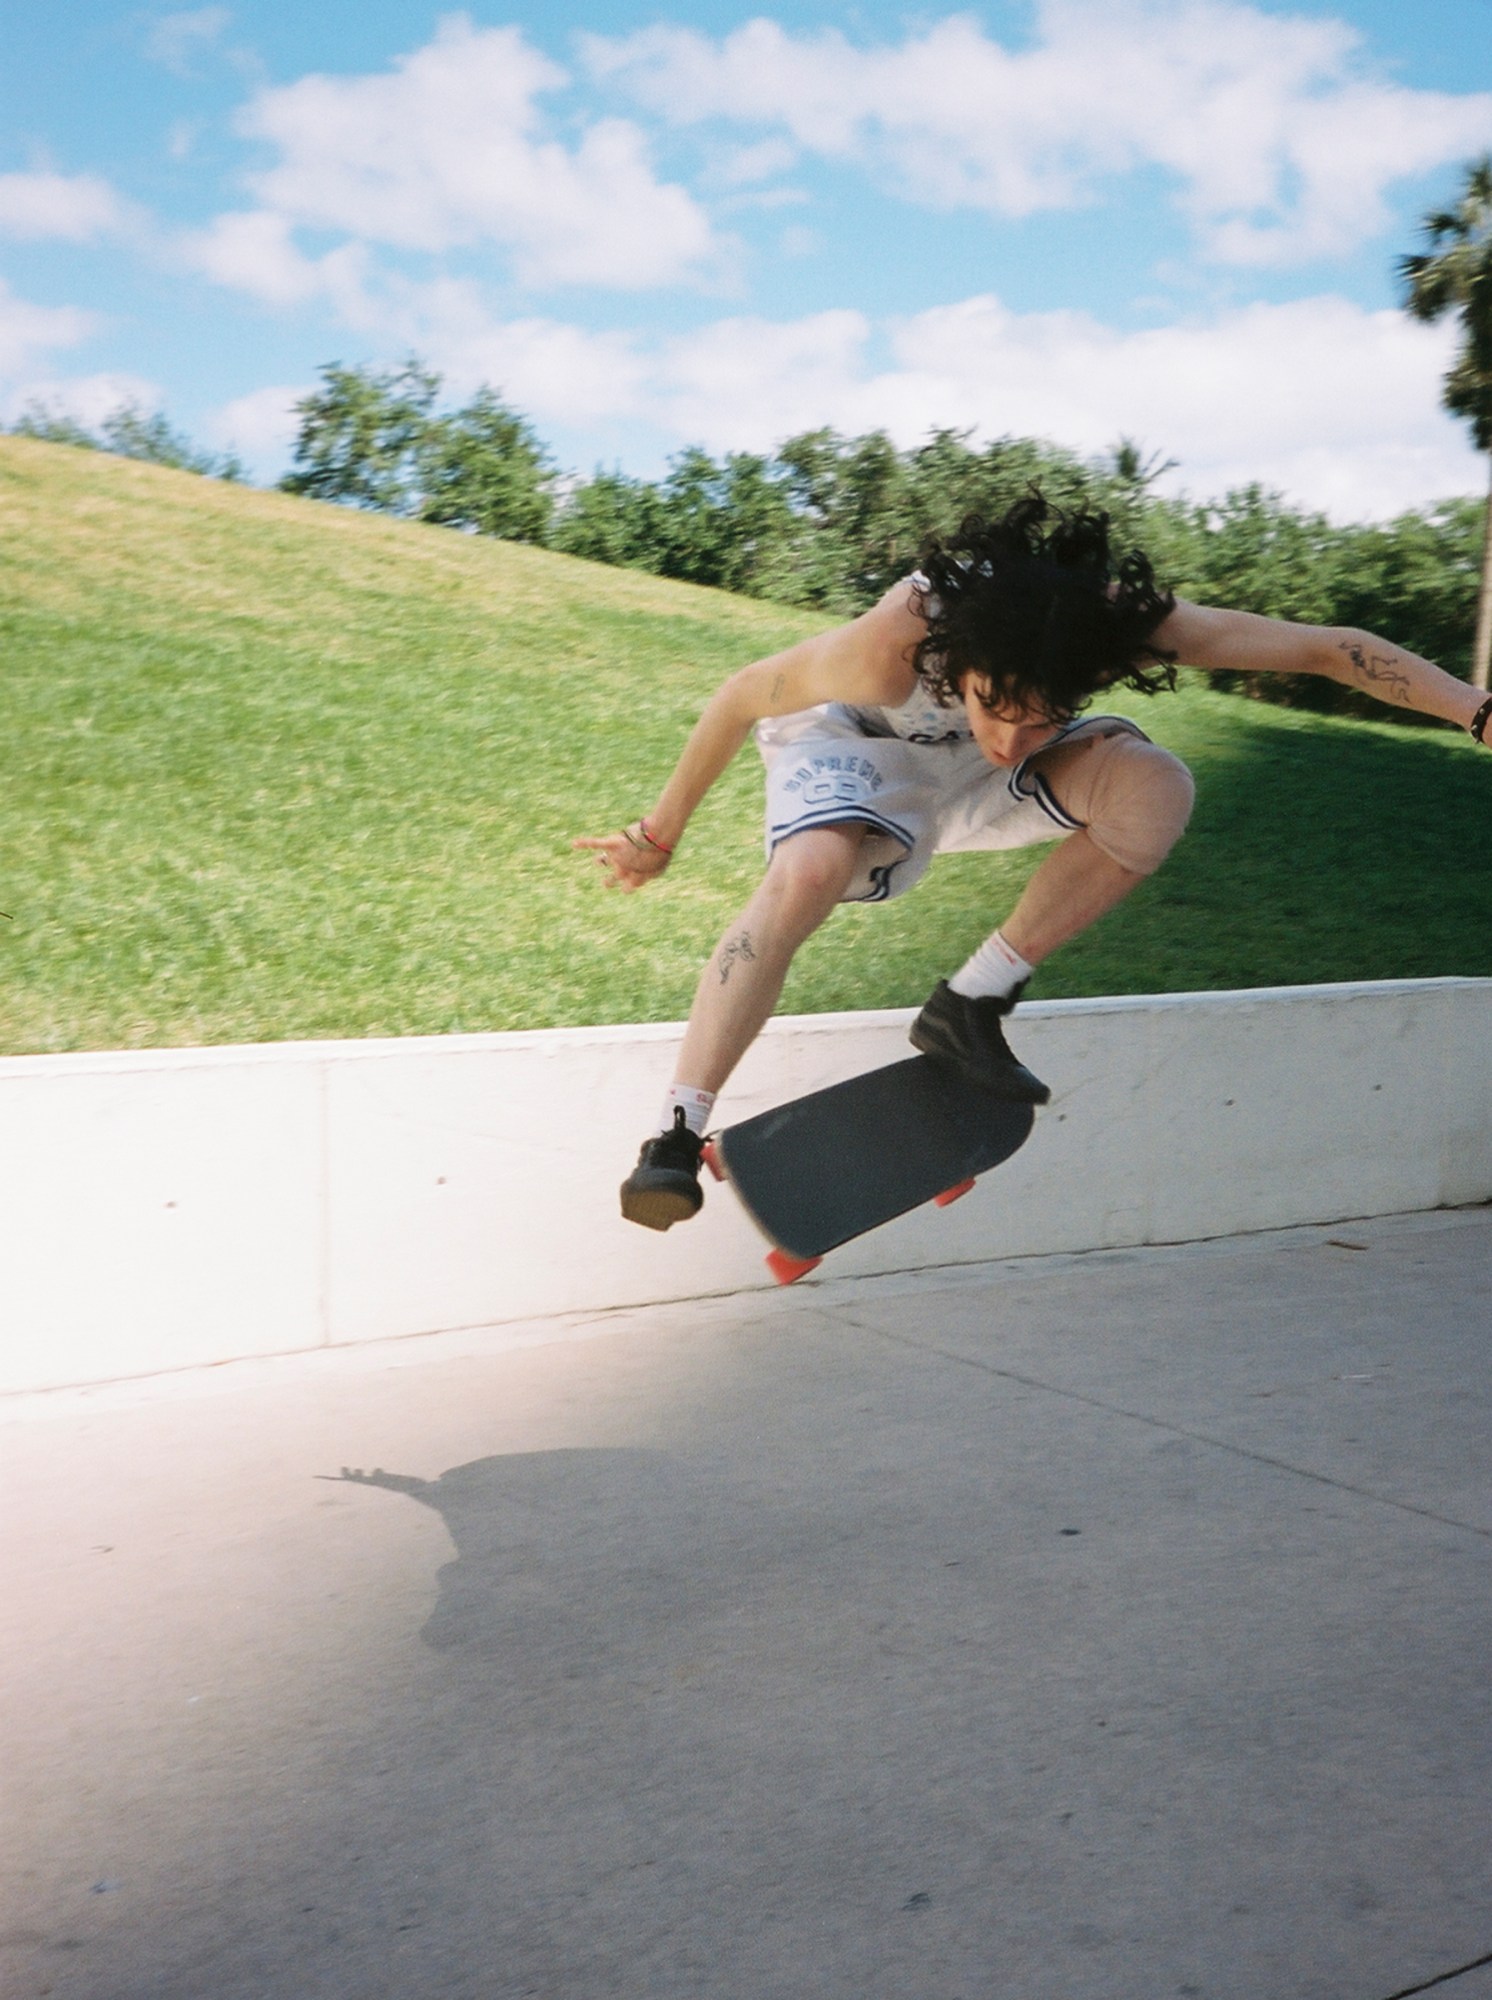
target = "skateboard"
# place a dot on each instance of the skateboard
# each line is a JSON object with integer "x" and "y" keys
{"x": 824, "y": 1168}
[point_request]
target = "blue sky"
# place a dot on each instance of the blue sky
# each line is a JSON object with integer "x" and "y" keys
{"x": 1174, "y": 220}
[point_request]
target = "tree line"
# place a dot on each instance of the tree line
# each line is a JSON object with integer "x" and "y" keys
{"x": 130, "y": 432}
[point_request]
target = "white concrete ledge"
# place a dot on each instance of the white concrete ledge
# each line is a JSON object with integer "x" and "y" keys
{"x": 169, "y": 1209}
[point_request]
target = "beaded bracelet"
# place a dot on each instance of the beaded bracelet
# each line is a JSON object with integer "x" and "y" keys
{"x": 1477, "y": 724}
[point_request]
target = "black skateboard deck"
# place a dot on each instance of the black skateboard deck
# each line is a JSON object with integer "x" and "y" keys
{"x": 824, "y": 1168}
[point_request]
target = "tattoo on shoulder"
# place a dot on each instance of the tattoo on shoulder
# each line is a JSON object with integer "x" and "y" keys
{"x": 732, "y": 951}
{"x": 1377, "y": 674}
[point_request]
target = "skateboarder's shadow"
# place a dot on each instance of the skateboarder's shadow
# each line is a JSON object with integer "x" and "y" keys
{"x": 570, "y": 1563}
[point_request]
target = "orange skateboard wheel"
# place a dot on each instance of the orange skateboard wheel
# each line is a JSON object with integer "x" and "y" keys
{"x": 787, "y": 1270}
{"x": 952, "y": 1194}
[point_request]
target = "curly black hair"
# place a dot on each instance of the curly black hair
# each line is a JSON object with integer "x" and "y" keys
{"x": 1038, "y": 609}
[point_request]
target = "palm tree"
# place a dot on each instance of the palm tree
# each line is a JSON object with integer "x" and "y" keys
{"x": 1454, "y": 274}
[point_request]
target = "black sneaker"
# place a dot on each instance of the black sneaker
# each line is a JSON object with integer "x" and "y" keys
{"x": 968, "y": 1032}
{"x": 663, "y": 1188}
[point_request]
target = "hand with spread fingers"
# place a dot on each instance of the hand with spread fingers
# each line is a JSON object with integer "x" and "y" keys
{"x": 632, "y": 858}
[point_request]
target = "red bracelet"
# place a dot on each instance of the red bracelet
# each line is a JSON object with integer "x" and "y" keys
{"x": 643, "y": 829}
{"x": 1477, "y": 724}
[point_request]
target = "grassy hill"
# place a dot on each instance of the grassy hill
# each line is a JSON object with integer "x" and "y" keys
{"x": 275, "y": 769}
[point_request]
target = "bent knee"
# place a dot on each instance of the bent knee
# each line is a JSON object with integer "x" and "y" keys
{"x": 1133, "y": 797}
{"x": 811, "y": 870}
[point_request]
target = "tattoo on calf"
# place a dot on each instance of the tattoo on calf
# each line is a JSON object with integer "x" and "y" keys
{"x": 732, "y": 950}
{"x": 1376, "y": 674}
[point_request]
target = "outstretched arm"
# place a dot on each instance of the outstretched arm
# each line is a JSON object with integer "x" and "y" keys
{"x": 1241, "y": 641}
{"x": 866, "y": 661}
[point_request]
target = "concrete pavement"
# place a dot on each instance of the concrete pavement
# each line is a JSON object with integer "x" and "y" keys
{"x": 1083, "y": 1628}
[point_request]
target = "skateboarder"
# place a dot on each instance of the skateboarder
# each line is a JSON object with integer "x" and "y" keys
{"x": 947, "y": 718}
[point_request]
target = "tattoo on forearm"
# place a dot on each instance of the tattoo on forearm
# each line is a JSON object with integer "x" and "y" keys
{"x": 1376, "y": 674}
{"x": 733, "y": 950}
{"x": 777, "y": 686}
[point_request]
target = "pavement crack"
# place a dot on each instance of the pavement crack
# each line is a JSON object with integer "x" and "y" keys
{"x": 1441, "y": 1978}
{"x": 1181, "y": 1431}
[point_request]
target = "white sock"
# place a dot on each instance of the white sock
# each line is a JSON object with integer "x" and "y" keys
{"x": 697, "y": 1106}
{"x": 992, "y": 973}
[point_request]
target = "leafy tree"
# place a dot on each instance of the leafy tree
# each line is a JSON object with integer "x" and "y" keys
{"x": 762, "y": 551}
{"x": 1254, "y": 552}
{"x": 129, "y": 432}
{"x": 374, "y": 440}
{"x": 1132, "y": 470}
{"x": 483, "y": 469}
{"x": 612, "y": 519}
{"x": 53, "y": 427}
{"x": 728, "y": 525}
{"x": 361, "y": 437}
{"x": 947, "y": 479}
{"x": 807, "y": 565}
{"x": 872, "y": 508}
{"x": 1122, "y": 482}
{"x": 1454, "y": 275}
{"x": 869, "y": 522}
{"x": 1414, "y": 578}
{"x": 697, "y": 527}
{"x": 1258, "y": 553}
{"x": 826, "y": 520}
{"x": 132, "y": 433}
{"x": 1417, "y": 578}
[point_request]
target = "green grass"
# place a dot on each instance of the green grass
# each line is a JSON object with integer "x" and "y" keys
{"x": 279, "y": 770}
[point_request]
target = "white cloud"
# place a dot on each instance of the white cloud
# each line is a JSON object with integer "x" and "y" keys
{"x": 261, "y": 426}
{"x": 68, "y": 208}
{"x": 87, "y": 399}
{"x": 1278, "y": 138}
{"x": 175, "y": 40}
{"x": 553, "y": 372}
{"x": 1337, "y": 406}
{"x": 27, "y": 332}
{"x": 449, "y": 149}
{"x": 254, "y": 251}
{"x": 746, "y": 384}
{"x": 740, "y": 166}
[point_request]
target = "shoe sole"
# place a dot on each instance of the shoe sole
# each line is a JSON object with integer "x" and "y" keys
{"x": 659, "y": 1207}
